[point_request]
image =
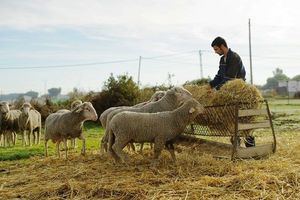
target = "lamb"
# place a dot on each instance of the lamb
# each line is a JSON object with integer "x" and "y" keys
{"x": 66, "y": 125}
{"x": 30, "y": 120}
{"x": 171, "y": 100}
{"x": 9, "y": 123}
{"x": 158, "y": 127}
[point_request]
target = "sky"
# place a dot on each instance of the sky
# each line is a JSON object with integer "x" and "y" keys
{"x": 72, "y": 43}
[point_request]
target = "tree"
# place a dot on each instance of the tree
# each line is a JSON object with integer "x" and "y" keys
{"x": 200, "y": 81}
{"x": 116, "y": 92}
{"x": 296, "y": 78}
{"x": 272, "y": 82}
{"x": 53, "y": 92}
{"x": 32, "y": 94}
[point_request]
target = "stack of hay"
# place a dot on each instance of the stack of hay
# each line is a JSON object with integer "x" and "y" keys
{"x": 233, "y": 92}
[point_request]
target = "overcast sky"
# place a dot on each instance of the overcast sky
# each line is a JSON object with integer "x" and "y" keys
{"x": 56, "y": 33}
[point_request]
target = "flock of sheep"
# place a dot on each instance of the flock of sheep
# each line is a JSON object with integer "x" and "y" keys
{"x": 158, "y": 121}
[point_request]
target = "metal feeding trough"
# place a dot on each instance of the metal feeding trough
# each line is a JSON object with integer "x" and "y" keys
{"x": 236, "y": 121}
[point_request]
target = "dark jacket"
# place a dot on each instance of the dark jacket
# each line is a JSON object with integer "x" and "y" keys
{"x": 230, "y": 69}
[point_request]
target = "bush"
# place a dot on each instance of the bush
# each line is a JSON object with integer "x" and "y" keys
{"x": 297, "y": 95}
{"x": 122, "y": 91}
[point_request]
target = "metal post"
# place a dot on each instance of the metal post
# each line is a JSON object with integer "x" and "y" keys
{"x": 201, "y": 67}
{"x": 139, "y": 72}
{"x": 250, "y": 53}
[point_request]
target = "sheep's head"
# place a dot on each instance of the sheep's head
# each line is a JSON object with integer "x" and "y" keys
{"x": 195, "y": 108}
{"x": 75, "y": 103}
{"x": 157, "y": 96}
{"x": 26, "y": 107}
{"x": 4, "y": 107}
{"x": 87, "y": 110}
{"x": 181, "y": 94}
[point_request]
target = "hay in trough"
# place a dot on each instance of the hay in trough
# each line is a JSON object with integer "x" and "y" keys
{"x": 235, "y": 92}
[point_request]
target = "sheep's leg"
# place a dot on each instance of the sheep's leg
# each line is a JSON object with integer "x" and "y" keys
{"x": 34, "y": 137}
{"x": 73, "y": 143}
{"x": 131, "y": 144}
{"x": 103, "y": 143}
{"x": 66, "y": 147}
{"x": 118, "y": 149}
{"x": 28, "y": 135}
{"x": 111, "y": 141}
{"x": 151, "y": 145}
{"x": 4, "y": 139}
{"x": 14, "y": 134}
{"x": 158, "y": 146}
{"x": 141, "y": 148}
{"x": 46, "y": 147}
{"x": 23, "y": 138}
{"x": 171, "y": 149}
{"x": 39, "y": 135}
{"x": 83, "y": 145}
{"x": 58, "y": 148}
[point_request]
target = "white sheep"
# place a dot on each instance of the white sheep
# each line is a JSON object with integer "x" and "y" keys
{"x": 66, "y": 125}
{"x": 30, "y": 120}
{"x": 74, "y": 104}
{"x": 158, "y": 128}
{"x": 170, "y": 101}
{"x": 9, "y": 123}
{"x": 103, "y": 117}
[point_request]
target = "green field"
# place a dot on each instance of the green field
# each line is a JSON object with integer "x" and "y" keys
{"x": 92, "y": 131}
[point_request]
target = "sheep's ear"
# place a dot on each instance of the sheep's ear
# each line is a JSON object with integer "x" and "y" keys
{"x": 78, "y": 109}
{"x": 192, "y": 110}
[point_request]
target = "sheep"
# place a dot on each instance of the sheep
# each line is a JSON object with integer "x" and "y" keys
{"x": 103, "y": 117}
{"x": 66, "y": 125}
{"x": 74, "y": 104}
{"x": 155, "y": 97}
{"x": 170, "y": 101}
{"x": 160, "y": 128}
{"x": 9, "y": 123}
{"x": 30, "y": 120}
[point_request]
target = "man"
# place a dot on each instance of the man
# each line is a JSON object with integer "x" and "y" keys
{"x": 231, "y": 67}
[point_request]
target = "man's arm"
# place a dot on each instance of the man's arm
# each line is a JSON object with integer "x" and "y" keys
{"x": 217, "y": 80}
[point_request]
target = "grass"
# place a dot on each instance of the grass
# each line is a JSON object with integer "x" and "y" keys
{"x": 92, "y": 131}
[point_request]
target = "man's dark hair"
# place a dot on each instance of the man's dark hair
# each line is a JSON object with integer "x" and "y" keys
{"x": 218, "y": 42}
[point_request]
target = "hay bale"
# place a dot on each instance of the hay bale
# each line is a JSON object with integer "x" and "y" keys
{"x": 238, "y": 91}
{"x": 233, "y": 92}
{"x": 204, "y": 93}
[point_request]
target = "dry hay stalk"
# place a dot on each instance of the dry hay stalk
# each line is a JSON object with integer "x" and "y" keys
{"x": 237, "y": 91}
